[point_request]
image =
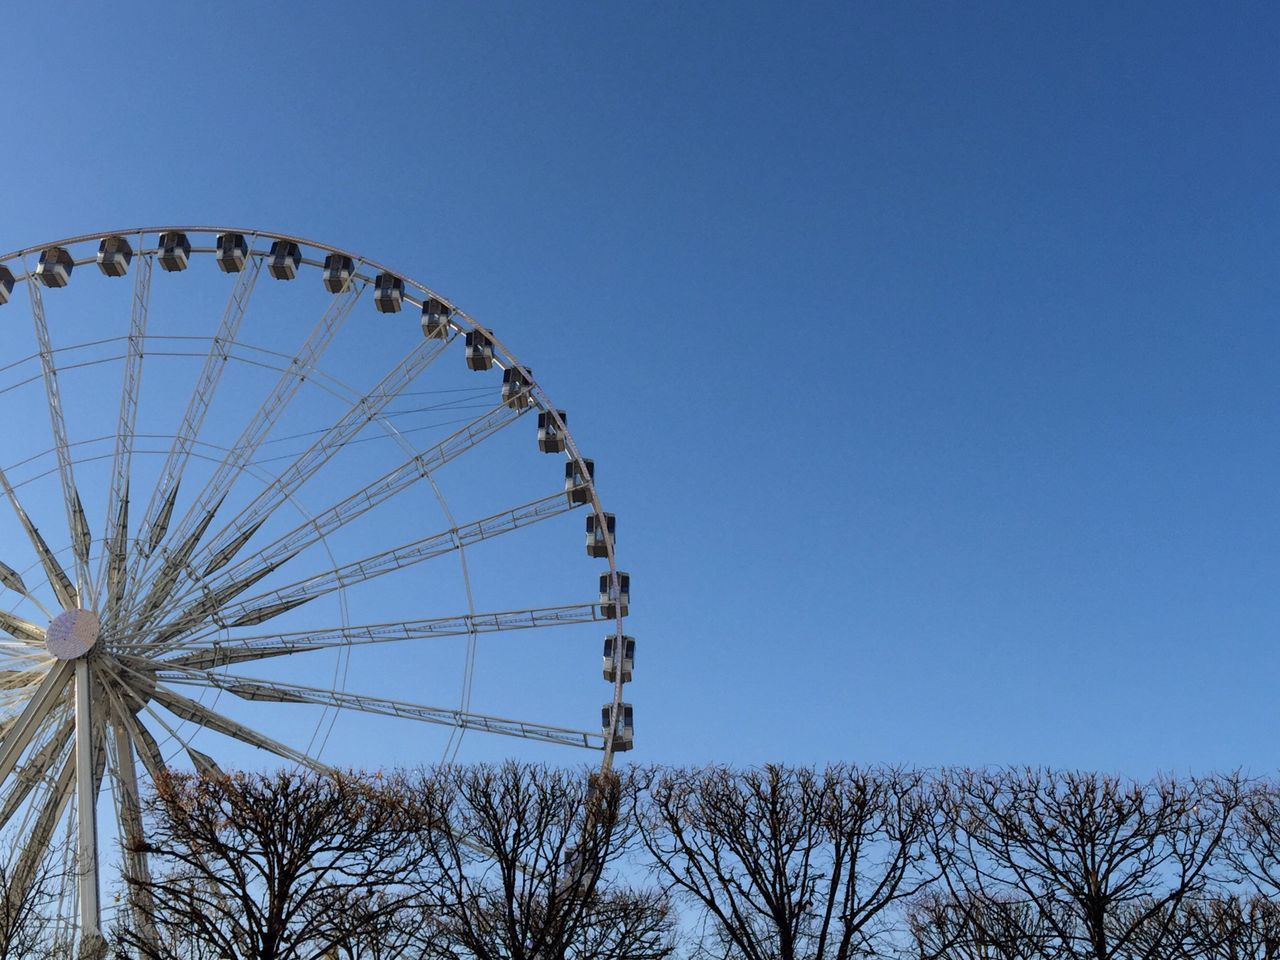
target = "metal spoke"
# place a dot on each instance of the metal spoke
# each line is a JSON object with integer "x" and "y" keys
{"x": 322, "y": 449}
{"x": 45, "y": 699}
{"x": 198, "y": 713}
{"x": 149, "y": 750}
{"x": 36, "y": 769}
{"x": 59, "y": 582}
{"x": 266, "y": 606}
{"x": 359, "y": 503}
{"x": 145, "y": 744}
{"x": 251, "y": 688}
{"x": 37, "y": 846}
{"x": 12, "y": 580}
{"x": 76, "y": 522}
{"x": 326, "y": 445}
{"x": 160, "y": 508}
{"x": 13, "y": 680}
{"x": 137, "y": 870}
{"x": 256, "y": 431}
{"x": 116, "y": 537}
{"x": 20, "y": 629}
{"x": 262, "y": 646}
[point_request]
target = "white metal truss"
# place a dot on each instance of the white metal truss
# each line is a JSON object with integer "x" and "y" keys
{"x": 209, "y": 653}
{"x": 321, "y": 451}
{"x": 160, "y": 509}
{"x": 241, "y": 453}
{"x": 63, "y": 589}
{"x": 117, "y": 532}
{"x": 215, "y": 606}
{"x": 86, "y": 734}
{"x": 351, "y": 507}
{"x": 251, "y": 688}
{"x": 76, "y": 521}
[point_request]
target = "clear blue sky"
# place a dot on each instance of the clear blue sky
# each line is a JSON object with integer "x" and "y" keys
{"x": 928, "y": 351}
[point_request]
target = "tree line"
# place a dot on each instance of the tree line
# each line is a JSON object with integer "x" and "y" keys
{"x": 526, "y": 862}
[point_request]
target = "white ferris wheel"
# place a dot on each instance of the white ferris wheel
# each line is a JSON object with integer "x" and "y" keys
{"x": 275, "y": 491}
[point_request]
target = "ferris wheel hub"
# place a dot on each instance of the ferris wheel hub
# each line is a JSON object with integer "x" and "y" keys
{"x": 72, "y": 634}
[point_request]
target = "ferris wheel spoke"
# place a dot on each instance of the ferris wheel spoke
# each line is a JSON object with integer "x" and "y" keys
{"x": 59, "y": 582}
{"x": 77, "y": 524}
{"x": 137, "y": 867}
{"x": 174, "y": 562}
{"x": 36, "y": 770}
{"x": 116, "y": 538}
{"x": 378, "y": 492}
{"x": 334, "y": 517}
{"x": 12, "y": 580}
{"x": 43, "y": 701}
{"x": 198, "y": 713}
{"x": 160, "y": 508}
{"x": 20, "y": 629}
{"x": 12, "y": 681}
{"x": 204, "y": 764}
{"x": 36, "y": 847}
{"x": 263, "y": 646}
{"x": 198, "y": 613}
{"x": 322, "y": 449}
{"x": 148, "y": 749}
{"x": 267, "y": 606}
{"x": 144, "y": 743}
{"x": 300, "y": 367}
{"x": 368, "y": 408}
{"x": 251, "y": 688}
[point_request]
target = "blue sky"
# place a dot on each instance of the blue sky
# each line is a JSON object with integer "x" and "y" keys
{"x": 927, "y": 351}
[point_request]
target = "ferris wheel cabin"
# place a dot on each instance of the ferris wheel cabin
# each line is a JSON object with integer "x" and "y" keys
{"x": 6, "y": 285}
{"x": 338, "y": 269}
{"x": 175, "y": 251}
{"x": 515, "y": 388}
{"x": 54, "y": 268}
{"x": 114, "y": 256}
{"x": 577, "y": 481}
{"x": 614, "y": 603}
{"x": 233, "y": 252}
{"x": 600, "y": 535}
{"x": 628, "y": 658}
{"x": 388, "y": 293}
{"x": 479, "y": 350}
{"x": 435, "y": 319}
{"x": 550, "y": 436}
{"x": 285, "y": 259}
{"x": 622, "y": 725}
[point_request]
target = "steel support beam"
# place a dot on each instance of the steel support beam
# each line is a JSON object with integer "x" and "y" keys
{"x": 86, "y": 807}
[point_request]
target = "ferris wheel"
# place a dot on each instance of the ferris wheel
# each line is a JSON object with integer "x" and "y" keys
{"x": 274, "y": 495}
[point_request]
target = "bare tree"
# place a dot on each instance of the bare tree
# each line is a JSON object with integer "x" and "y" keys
{"x": 626, "y": 925}
{"x": 974, "y": 928}
{"x": 282, "y": 866}
{"x": 522, "y": 859}
{"x": 377, "y": 932}
{"x": 1107, "y": 863}
{"x": 1228, "y": 927}
{"x": 1254, "y": 848}
{"x": 790, "y": 863}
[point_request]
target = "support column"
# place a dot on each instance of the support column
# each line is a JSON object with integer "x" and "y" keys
{"x": 86, "y": 810}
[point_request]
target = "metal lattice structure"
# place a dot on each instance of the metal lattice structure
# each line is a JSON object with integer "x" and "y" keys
{"x": 216, "y": 558}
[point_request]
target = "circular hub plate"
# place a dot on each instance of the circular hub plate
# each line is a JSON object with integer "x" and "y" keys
{"x": 72, "y": 634}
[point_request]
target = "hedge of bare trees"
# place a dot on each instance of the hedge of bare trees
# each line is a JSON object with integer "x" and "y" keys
{"x": 518, "y": 862}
